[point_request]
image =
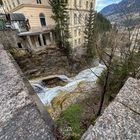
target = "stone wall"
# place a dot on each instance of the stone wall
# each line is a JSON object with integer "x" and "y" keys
{"x": 9, "y": 38}
{"x": 22, "y": 114}
{"x": 121, "y": 119}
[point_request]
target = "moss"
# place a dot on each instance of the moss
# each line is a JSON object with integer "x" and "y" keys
{"x": 70, "y": 118}
{"x": 93, "y": 121}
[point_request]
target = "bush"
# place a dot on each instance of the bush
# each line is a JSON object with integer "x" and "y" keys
{"x": 69, "y": 121}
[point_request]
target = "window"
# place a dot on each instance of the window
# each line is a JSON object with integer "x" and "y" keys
{"x": 38, "y": 1}
{"x": 42, "y": 19}
{"x": 65, "y": 1}
{"x": 75, "y": 19}
{"x": 6, "y": 6}
{"x": 39, "y": 41}
{"x": 10, "y": 6}
{"x": 86, "y": 18}
{"x": 44, "y": 39}
{"x": 91, "y": 5}
{"x": 86, "y": 4}
{"x": 79, "y": 41}
{"x": 19, "y": 45}
{"x": 75, "y": 3}
{"x": 18, "y": 1}
{"x": 75, "y": 32}
{"x": 80, "y": 3}
{"x": 80, "y": 18}
{"x": 79, "y": 32}
{"x": 14, "y": 4}
{"x": 75, "y": 42}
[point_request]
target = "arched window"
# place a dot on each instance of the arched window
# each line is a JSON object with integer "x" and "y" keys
{"x": 42, "y": 19}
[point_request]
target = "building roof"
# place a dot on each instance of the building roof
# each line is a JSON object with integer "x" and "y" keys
{"x": 17, "y": 17}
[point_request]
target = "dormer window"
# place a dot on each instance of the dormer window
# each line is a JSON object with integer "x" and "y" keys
{"x": 38, "y": 1}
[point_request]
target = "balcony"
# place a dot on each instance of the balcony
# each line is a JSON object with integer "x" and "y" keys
{"x": 42, "y": 29}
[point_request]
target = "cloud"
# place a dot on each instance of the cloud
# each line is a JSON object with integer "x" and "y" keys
{"x": 100, "y": 4}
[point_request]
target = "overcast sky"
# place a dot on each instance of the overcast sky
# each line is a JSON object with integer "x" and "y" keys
{"x": 100, "y": 4}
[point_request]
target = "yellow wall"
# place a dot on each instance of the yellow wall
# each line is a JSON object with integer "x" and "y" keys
{"x": 32, "y": 13}
{"x": 32, "y": 10}
{"x": 77, "y": 9}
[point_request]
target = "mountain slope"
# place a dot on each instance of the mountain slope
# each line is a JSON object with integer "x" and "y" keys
{"x": 120, "y": 13}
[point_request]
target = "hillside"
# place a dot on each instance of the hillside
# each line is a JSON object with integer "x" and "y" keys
{"x": 124, "y": 13}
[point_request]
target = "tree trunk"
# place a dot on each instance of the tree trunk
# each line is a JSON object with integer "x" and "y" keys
{"x": 103, "y": 94}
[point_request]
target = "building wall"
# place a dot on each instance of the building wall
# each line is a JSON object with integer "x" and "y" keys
{"x": 80, "y": 8}
{"x": 75, "y": 7}
{"x": 13, "y": 5}
{"x": 31, "y": 10}
{"x": 10, "y": 39}
{"x": 32, "y": 13}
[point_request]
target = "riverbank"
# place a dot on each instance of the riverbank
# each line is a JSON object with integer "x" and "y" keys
{"x": 50, "y": 62}
{"x": 75, "y": 89}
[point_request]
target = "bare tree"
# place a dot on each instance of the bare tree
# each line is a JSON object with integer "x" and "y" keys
{"x": 106, "y": 54}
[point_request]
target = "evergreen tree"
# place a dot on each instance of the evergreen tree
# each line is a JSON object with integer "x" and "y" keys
{"x": 95, "y": 25}
{"x": 61, "y": 18}
{"x": 90, "y": 34}
{"x": 102, "y": 24}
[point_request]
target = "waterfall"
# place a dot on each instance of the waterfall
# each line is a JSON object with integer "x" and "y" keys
{"x": 88, "y": 77}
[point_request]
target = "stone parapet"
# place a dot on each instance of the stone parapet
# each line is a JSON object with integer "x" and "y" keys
{"x": 22, "y": 113}
{"x": 121, "y": 119}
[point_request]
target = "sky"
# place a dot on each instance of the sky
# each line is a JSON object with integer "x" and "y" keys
{"x": 100, "y": 4}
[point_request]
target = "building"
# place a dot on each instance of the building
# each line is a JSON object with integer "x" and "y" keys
{"x": 1, "y": 10}
{"x": 78, "y": 12}
{"x": 38, "y": 13}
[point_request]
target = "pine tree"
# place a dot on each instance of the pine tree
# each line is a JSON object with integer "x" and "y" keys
{"x": 96, "y": 24}
{"x": 61, "y": 18}
{"x": 89, "y": 34}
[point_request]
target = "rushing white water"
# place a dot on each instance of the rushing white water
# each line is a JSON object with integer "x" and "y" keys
{"x": 48, "y": 94}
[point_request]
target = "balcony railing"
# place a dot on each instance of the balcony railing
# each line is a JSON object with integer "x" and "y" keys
{"x": 43, "y": 28}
